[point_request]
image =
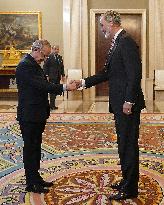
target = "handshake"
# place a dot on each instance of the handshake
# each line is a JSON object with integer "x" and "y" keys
{"x": 73, "y": 85}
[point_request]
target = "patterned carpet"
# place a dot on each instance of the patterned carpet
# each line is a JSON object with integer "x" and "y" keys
{"x": 79, "y": 155}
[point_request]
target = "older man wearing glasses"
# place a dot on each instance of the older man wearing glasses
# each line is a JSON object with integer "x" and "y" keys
{"x": 33, "y": 110}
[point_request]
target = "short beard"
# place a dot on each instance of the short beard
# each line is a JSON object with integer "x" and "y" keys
{"x": 107, "y": 35}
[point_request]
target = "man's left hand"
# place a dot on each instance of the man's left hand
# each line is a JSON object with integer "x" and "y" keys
{"x": 127, "y": 108}
{"x": 71, "y": 85}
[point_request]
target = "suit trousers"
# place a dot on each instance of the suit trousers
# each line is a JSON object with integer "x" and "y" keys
{"x": 52, "y": 95}
{"x": 32, "y": 137}
{"x": 52, "y": 100}
{"x": 127, "y": 129}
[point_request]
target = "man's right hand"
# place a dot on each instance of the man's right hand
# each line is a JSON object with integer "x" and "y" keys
{"x": 71, "y": 86}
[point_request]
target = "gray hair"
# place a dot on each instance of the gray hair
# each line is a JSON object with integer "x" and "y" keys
{"x": 112, "y": 16}
{"x": 38, "y": 44}
{"x": 55, "y": 46}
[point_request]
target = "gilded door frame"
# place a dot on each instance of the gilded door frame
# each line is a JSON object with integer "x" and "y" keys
{"x": 93, "y": 13}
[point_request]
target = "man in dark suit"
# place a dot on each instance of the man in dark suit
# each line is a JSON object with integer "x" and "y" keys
{"x": 33, "y": 110}
{"x": 54, "y": 70}
{"x": 123, "y": 71}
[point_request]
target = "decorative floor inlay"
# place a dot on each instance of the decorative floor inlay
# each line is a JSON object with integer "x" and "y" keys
{"x": 93, "y": 187}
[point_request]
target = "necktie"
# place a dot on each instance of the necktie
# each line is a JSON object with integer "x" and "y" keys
{"x": 110, "y": 51}
{"x": 111, "y": 46}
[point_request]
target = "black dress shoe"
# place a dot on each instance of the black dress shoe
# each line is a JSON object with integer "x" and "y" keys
{"x": 55, "y": 108}
{"x": 122, "y": 196}
{"x": 118, "y": 185}
{"x": 46, "y": 184}
{"x": 36, "y": 188}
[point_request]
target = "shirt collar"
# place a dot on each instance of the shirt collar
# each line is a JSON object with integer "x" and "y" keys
{"x": 118, "y": 32}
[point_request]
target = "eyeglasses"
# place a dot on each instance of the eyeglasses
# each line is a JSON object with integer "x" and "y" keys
{"x": 44, "y": 56}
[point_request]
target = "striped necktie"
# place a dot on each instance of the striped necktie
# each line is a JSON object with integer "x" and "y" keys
{"x": 110, "y": 51}
{"x": 111, "y": 46}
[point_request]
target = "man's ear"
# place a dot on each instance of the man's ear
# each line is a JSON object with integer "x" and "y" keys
{"x": 111, "y": 23}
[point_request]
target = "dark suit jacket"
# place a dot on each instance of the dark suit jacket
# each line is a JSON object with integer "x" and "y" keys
{"x": 54, "y": 68}
{"x": 33, "y": 88}
{"x": 123, "y": 70}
